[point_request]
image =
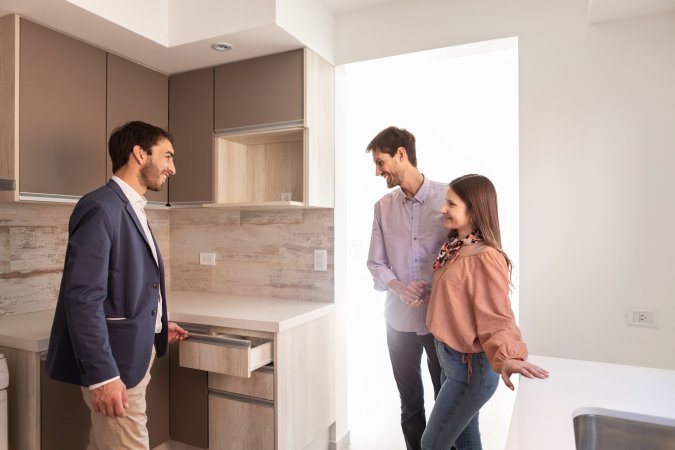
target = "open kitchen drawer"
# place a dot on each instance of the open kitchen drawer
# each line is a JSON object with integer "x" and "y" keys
{"x": 227, "y": 354}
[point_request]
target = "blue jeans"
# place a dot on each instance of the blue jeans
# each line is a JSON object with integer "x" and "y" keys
{"x": 454, "y": 419}
{"x": 405, "y": 351}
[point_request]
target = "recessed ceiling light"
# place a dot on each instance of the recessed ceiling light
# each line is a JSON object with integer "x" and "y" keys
{"x": 221, "y": 46}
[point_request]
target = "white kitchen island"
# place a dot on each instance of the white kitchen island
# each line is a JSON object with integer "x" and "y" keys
{"x": 544, "y": 409}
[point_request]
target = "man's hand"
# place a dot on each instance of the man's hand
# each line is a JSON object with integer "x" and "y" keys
{"x": 110, "y": 399}
{"x": 413, "y": 294}
{"x": 176, "y": 333}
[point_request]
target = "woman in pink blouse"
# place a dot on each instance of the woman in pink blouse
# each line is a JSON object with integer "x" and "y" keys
{"x": 470, "y": 316}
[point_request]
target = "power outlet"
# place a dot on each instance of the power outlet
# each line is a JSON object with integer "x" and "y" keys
{"x": 207, "y": 259}
{"x": 321, "y": 260}
{"x": 642, "y": 317}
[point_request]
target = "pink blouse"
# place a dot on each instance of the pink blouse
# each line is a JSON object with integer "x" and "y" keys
{"x": 470, "y": 310}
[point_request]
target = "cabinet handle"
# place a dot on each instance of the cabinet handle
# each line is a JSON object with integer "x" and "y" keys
{"x": 242, "y": 398}
{"x": 220, "y": 340}
{"x": 7, "y": 185}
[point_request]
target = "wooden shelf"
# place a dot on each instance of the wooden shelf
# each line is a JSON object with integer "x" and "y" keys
{"x": 252, "y": 206}
{"x": 260, "y": 168}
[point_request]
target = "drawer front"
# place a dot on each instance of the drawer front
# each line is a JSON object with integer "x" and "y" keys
{"x": 260, "y": 385}
{"x": 240, "y": 424}
{"x": 227, "y": 356}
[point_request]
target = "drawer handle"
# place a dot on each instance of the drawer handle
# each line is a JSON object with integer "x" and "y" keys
{"x": 220, "y": 340}
{"x": 241, "y": 398}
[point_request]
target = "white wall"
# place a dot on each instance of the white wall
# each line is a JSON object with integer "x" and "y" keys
{"x": 310, "y": 22}
{"x": 597, "y": 152}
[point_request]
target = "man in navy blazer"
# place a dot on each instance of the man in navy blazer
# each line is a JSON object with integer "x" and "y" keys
{"x": 110, "y": 317}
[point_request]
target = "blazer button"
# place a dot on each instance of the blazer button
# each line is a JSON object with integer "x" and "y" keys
{"x": 154, "y": 311}
{"x": 155, "y": 285}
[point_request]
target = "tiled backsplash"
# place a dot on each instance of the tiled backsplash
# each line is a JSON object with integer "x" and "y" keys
{"x": 257, "y": 253}
{"x": 33, "y": 240}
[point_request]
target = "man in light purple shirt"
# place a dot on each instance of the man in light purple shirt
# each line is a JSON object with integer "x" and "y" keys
{"x": 407, "y": 234}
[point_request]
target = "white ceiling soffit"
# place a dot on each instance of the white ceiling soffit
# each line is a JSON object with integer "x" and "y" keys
{"x": 341, "y": 6}
{"x": 606, "y": 10}
{"x": 170, "y": 36}
{"x": 177, "y": 22}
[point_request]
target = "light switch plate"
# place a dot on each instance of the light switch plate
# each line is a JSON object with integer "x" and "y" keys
{"x": 207, "y": 259}
{"x": 321, "y": 260}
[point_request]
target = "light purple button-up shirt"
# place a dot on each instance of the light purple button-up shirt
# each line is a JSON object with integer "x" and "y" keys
{"x": 407, "y": 235}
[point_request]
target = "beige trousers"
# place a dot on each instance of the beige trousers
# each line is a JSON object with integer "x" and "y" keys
{"x": 130, "y": 432}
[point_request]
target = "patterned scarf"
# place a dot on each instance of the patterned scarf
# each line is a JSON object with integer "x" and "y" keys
{"x": 449, "y": 249}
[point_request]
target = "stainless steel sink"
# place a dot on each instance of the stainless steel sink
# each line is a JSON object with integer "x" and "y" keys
{"x": 601, "y": 429}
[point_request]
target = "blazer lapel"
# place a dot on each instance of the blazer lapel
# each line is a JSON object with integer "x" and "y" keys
{"x": 130, "y": 210}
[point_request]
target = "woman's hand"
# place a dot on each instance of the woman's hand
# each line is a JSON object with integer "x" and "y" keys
{"x": 524, "y": 368}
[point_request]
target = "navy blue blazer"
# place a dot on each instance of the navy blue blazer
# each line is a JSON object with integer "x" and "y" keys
{"x": 104, "y": 324}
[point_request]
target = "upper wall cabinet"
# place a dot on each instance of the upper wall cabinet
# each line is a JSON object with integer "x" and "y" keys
{"x": 62, "y": 110}
{"x": 135, "y": 92}
{"x": 9, "y": 98}
{"x": 191, "y": 124}
{"x": 274, "y": 125}
{"x": 259, "y": 91}
{"x": 60, "y": 99}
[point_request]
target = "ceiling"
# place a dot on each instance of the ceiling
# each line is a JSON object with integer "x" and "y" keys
{"x": 179, "y": 33}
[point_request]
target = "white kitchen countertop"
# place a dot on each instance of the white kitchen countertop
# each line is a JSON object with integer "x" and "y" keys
{"x": 30, "y": 331}
{"x": 251, "y": 313}
{"x": 544, "y": 409}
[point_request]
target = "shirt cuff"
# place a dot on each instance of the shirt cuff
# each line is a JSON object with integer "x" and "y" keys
{"x": 98, "y": 385}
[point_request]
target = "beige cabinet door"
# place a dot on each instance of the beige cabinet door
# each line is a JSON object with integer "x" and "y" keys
{"x": 240, "y": 423}
{"x": 62, "y": 108}
{"x": 191, "y": 123}
{"x": 135, "y": 92}
{"x": 259, "y": 91}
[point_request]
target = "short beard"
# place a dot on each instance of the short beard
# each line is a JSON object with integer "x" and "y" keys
{"x": 150, "y": 176}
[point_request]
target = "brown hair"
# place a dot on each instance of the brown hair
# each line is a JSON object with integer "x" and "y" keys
{"x": 124, "y": 138}
{"x": 390, "y": 139}
{"x": 480, "y": 197}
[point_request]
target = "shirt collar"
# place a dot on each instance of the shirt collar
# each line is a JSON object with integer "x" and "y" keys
{"x": 422, "y": 192}
{"x": 134, "y": 197}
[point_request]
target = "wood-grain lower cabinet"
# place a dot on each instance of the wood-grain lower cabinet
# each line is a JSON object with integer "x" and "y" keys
{"x": 46, "y": 414}
{"x": 240, "y": 422}
{"x": 286, "y": 405}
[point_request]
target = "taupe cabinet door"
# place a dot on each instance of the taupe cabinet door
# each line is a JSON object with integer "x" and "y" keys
{"x": 136, "y": 93}
{"x": 191, "y": 123}
{"x": 259, "y": 91}
{"x": 62, "y": 109}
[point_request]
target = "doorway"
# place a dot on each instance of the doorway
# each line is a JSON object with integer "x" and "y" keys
{"x": 461, "y": 103}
